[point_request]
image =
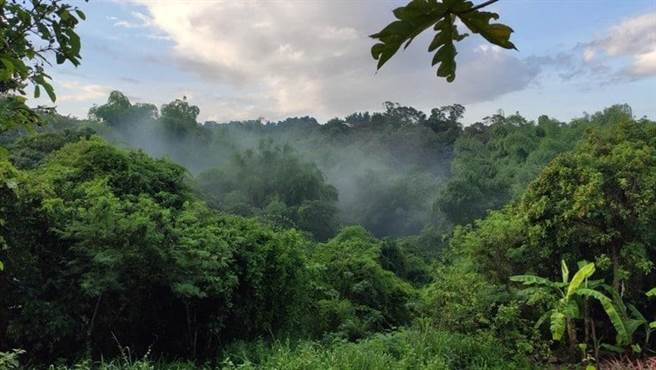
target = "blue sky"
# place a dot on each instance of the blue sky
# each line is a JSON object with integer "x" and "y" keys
{"x": 245, "y": 59}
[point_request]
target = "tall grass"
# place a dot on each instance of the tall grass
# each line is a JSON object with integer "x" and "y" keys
{"x": 415, "y": 348}
{"x": 419, "y": 347}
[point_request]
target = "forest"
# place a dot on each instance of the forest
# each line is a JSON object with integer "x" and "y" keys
{"x": 139, "y": 237}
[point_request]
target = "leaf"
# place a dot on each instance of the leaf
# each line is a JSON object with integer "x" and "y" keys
{"x": 446, "y": 54}
{"x": 542, "y": 319}
{"x": 571, "y": 309}
{"x": 2, "y": 266}
{"x": 582, "y": 274}
{"x": 413, "y": 19}
{"x": 80, "y": 14}
{"x": 495, "y": 33}
{"x": 564, "y": 271}
{"x": 612, "y": 348}
{"x": 75, "y": 43}
{"x": 49, "y": 90}
{"x": 9, "y": 65}
{"x": 532, "y": 280}
{"x": 558, "y": 323}
{"x": 651, "y": 292}
{"x": 37, "y": 91}
{"x": 612, "y": 312}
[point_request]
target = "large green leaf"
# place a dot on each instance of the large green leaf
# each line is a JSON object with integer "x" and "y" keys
{"x": 534, "y": 280}
{"x": 558, "y": 323}
{"x": 623, "y": 337}
{"x": 578, "y": 279}
{"x": 564, "y": 271}
{"x": 413, "y": 19}
{"x": 496, "y": 33}
{"x": 419, "y": 15}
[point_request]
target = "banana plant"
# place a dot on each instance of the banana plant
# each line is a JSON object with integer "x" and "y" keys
{"x": 652, "y": 293}
{"x": 572, "y": 294}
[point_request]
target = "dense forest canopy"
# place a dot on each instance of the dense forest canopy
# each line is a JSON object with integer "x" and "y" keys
{"x": 93, "y": 233}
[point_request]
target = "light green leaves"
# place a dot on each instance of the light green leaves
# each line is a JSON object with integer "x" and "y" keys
{"x": 651, "y": 292}
{"x": 2, "y": 266}
{"x": 564, "y": 271}
{"x": 580, "y": 276}
{"x": 533, "y": 280}
{"x": 558, "y": 322}
{"x": 612, "y": 312}
{"x": 419, "y": 15}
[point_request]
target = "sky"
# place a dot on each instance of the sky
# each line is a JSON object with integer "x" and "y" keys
{"x": 271, "y": 59}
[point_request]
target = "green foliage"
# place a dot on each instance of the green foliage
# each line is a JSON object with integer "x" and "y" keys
{"x": 22, "y": 57}
{"x": 179, "y": 117}
{"x": 275, "y": 184}
{"x": 354, "y": 295}
{"x": 14, "y": 113}
{"x": 9, "y": 360}
{"x": 30, "y": 32}
{"x": 419, "y": 15}
{"x": 118, "y": 110}
{"x": 419, "y": 347}
{"x": 567, "y": 308}
{"x": 118, "y": 231}
{"x": 494, "y": 163}
{"x": 572, "y": 305}
{"x": 31, "y": 151}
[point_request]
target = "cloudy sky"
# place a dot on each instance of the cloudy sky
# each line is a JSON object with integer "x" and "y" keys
{"x": 244, "y": 59}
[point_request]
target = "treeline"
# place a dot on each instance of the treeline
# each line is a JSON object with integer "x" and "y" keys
{"x": 105, "y": 248}
{"x": 398, "y": 173}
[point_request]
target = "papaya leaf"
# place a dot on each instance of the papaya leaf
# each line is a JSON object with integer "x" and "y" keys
{"x": 496, "y": 33}
{"x": 419, "y": 15}
{"x": 413, "y": 19}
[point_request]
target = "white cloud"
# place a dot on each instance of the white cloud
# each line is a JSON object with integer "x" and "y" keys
{"x": 645, "y": 64}
{"x": 634, "y": 38}
{"x": 139, "y": 20}
{"x": 73, "y": 91}
{"x": 308, "y": 57}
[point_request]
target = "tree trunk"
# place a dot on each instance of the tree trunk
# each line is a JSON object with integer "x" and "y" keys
{"x": 92, "y": 324}
{"x": 616, "y": 267}
{"x": 571, "y": 334}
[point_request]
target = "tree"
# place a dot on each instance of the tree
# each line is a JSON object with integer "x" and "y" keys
{"x": 419, "y": 15}
{"x": 29, "y": 34}
{"x": 179, "y": 117}
{"x": 118, "y": 110}
{"x": 273, "y": 182}
{"x": 572, "y": 305}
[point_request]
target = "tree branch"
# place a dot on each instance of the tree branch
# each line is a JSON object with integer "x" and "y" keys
{"x": 479, "y": 6}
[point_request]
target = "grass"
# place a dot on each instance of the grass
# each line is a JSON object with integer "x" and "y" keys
{"x": 419, "y": 347}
